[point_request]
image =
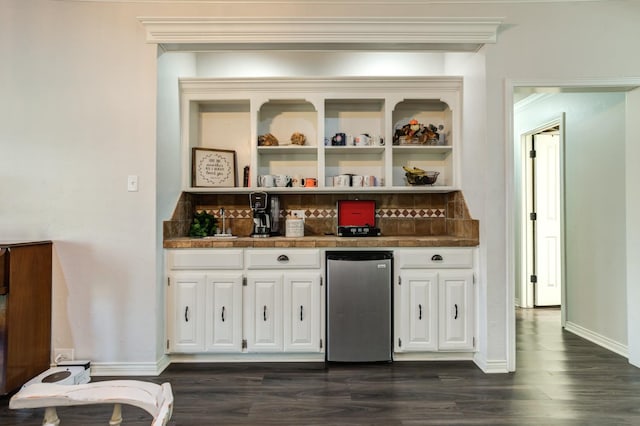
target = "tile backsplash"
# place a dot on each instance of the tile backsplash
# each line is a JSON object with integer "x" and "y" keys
{"x": 429, "y": 214}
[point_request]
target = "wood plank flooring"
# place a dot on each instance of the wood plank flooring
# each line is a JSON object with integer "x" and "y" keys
{"x": 561, "y": 379}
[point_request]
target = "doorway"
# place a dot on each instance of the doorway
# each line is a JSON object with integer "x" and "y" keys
{"x": 542, "y": 222}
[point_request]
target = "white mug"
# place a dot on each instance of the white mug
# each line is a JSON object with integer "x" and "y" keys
{"x": 283, "y": 180}
{"x": 368, "y": 181}
{"x": 357, "y": 180}
{"x": 361, "y": 140}
{"x": 342, "y": 180}
{"x": 266, "y": 180}
{"x": 350, "y": 140}
{"x": 296, "y": 181}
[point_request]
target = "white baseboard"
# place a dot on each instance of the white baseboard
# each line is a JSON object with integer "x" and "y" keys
{"x": 130, "y": 368}
{"x": 490, "y": 366}
{"x": 598, "y": 339}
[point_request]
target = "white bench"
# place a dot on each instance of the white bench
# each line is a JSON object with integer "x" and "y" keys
{"x": 155, "y": 399}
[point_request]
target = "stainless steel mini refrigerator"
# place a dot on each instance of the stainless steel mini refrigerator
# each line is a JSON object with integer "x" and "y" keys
{"x": 359, "y": 306}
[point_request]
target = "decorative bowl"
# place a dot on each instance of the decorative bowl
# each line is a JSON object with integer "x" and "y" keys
{"x": 426, "y": 178}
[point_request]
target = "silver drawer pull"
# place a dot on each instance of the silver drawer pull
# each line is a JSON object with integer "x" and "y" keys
{"x": 283, "y": 258}
{"x": 436, "y": 258}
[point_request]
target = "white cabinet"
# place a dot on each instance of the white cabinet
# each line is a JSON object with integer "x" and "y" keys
{"x": 435, "y": 296}
{"x": 205, "y": 312}
{"x": 278, "y": 310}
{"x": 263, "y": 311}
{"x": 418, "y": 313}
{"x": 302, "y": 312}
{"x": 232, "y": 114}
{"x": 185, "y": 325}
{"x": 223, "y": 313}
{"x": 456, "y": 310}
{"x": 204, "y": 300}
{"x": 283, "y": 307}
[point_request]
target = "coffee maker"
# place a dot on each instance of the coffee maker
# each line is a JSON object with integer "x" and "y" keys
{"x": 259, "y": 203}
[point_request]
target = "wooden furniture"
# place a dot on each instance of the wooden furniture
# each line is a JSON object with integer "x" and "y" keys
{"x": 25, "y": 312}
{"x": 156, "y": 400}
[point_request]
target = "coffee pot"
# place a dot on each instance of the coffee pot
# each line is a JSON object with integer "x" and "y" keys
{"x": 259, "y": 203}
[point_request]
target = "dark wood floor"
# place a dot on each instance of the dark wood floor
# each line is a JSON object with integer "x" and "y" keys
{"x": 561, "y": 379}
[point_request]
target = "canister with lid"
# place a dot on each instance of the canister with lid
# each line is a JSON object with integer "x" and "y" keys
{"x": 294, "y": 226}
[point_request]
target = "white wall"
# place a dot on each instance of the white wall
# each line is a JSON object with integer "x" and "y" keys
{"x": 78, "y": 111}
{"x": 594, "y": 204}
{"x": 77, "y": 102}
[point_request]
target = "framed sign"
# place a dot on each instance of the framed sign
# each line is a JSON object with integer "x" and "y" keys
{"x": 213, "y": 167}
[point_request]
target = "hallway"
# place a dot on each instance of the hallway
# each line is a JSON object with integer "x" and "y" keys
{"x": 561, "y": 379}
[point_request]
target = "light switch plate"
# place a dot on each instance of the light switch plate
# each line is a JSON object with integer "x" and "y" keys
{"x": 132, "y": 183}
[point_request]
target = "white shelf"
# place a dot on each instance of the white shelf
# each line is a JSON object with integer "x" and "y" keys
{"x": 330, "y": 150}
{"x": 423, "y": 149}
{"x": 325, "y": 190}
{"x": 232, "y": 114}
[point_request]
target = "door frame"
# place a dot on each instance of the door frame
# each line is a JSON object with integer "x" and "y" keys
{"x": 527, "y": 299}
{"x": 510, "y": 195}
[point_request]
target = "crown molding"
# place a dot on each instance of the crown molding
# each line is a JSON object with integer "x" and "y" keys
{"x": 318, "y": 33}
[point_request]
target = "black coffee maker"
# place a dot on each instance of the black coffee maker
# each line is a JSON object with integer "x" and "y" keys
{"x": 259, "y": 203}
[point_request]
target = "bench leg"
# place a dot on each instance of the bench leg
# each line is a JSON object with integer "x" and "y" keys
{"x": 116, "y": 416}
{"x": 50, "y": 417}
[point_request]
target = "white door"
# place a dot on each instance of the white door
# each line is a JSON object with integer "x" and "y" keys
{"x": 302, "y": 312}
{"x": 264, "y": 311}
{"x": 547, "y": 291}
{"x": 186, "y": 331}
{"x": 223, "y": 316}
{"x": 456, "y": 317}
{"x": 419, "y": 311}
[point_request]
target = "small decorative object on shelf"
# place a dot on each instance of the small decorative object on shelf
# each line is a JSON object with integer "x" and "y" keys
{"x": 415, "y": 133}
{"x": 416, "y": 176}
{"x": 298, "y": 138}
{"x": 213, "y": 168}
{"x": 203, "y": 225}
{"x": 267, "y": 140}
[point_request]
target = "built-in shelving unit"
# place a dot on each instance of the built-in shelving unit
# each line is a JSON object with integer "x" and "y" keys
{"x": 231, "y": 114}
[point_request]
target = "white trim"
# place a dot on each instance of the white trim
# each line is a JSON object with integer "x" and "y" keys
{"x": 598, "y": 339}
{"x": 338, "y": 31}
{"x": 615, "y": 83}
{"x": 333, "y": 2}
{"x": 130, "y": 368}
{"x": 491, "y": 366}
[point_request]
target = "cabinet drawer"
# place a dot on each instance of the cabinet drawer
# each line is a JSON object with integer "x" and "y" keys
{"x": 435, "y": 258}
{"x": 205, "y": 259}
{"x": 283, "y": 258}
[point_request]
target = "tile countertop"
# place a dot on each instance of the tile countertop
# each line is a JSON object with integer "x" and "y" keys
{"x": 322, "y": 241}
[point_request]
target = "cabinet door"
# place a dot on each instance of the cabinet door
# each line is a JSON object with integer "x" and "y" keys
{"x": 418, "y": 311}
{"x": 456, "y": 311}
{"x": 264, "y": 312}
{"x": 223, "y": 317}
{"x": 302, "y": 312}
{"x": 186, "y": 307}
